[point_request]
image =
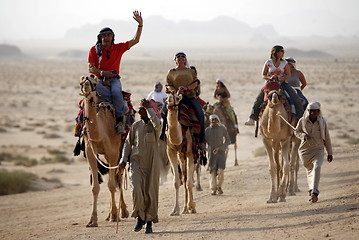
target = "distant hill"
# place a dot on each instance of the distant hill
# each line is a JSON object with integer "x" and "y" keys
{"x": 73, "y": 54}
{"x": 10, "y": 51}
{"x": 159, "y": 31}
{"x": 222, "y": 36}
{"x": 214, "y": 35}
{"x": 296, "y": 53}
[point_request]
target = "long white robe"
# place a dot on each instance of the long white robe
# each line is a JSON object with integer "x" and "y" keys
{"x": 141, "y": 147}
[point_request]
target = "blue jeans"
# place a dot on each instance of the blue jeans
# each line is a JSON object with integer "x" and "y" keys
{"x": 304, "y": 99}
{"x": 112, "y": 94}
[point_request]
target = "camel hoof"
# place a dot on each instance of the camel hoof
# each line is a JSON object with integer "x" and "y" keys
{"x": 236, "y": 164}
{"x": 174, "y": 214}
{"x": 91, "y": 224}
{"x": 125, "y": 214}
{"x": 193, "y": 211}
{"x": 296, "y": 190}
{"x": 185, "y": 211}
{"x": 271, "y": 201}
{"x": 282, "y": 199}
{"x": 292, "y": 194}
{"x": 199, "y": 188}
{"x": 111, "y": 217}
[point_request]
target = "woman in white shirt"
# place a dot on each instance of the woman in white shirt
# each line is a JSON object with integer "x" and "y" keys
{"x": 276, "y": 69}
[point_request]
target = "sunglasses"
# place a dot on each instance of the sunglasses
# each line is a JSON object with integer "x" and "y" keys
{"x": 314, "y": 110}
{"x": 181, "y": 56}
{"x": 281, "y": 51}
{"x": 108, "y": 54}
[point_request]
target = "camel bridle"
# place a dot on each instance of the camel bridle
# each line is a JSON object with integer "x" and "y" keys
{"x": 87, "y": 80}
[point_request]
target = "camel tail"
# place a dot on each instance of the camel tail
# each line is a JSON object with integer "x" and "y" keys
{"x": 101, "y": 171}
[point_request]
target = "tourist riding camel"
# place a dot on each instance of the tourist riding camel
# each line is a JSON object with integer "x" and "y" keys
{"x": 276, "y": 70}
{"x": 183, "y": 80}
{"x": 104, "y": 61}
{"x": 222, "y": 95}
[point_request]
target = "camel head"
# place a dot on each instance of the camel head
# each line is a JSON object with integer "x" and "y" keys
{"x": 88, "y": 85}
{"x": 208, "y": 108}
{"x": 274, "y": 97}
{"x": 172, "y": 99}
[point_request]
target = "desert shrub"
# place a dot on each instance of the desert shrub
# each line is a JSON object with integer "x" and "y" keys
{"x": 353, "y": 141}
{"x": 56, "y": 159}
{"x": 26, "y": 162}
{"x": 258, "y": 152}
{"x": 18, "y": 160}
{"x": 52, "y": 135}
{"x": 15, "y": 181}
{"x": 343, "y": 136}
{"x": 55, "y": 152}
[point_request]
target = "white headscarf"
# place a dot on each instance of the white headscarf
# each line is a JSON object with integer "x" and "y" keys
{"x": 214, "y": 116}
{"x": 320, "y": 119}
{"x": 187, "y": 63}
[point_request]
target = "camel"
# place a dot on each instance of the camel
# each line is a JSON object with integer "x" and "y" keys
{"x": 101, "y": 138}
{"x": 185, "y": 174}
{"x": 276, "y": 136}
{"x": 219, "y": 110}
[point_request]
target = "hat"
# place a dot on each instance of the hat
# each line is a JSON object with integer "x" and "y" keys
{"x": 213, "y": 116}
{"x": 179, "y": 54}
{"x": 220, "y": 80}
{"x": 106, "y": 30}
{"x": 290, "y": 59}
{"x": 313, "y": 106}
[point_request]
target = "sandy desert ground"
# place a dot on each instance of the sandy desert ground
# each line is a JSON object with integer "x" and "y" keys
{"x": 37, "y": 110}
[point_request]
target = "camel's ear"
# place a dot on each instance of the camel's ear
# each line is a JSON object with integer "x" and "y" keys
{"x": 82, "y": 78}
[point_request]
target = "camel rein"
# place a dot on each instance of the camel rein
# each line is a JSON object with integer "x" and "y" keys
{"x": 286, "y": 122}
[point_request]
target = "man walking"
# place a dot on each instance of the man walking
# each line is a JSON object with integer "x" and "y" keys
{"x": 218, "y": 140}
{"x": 313, "y": 131}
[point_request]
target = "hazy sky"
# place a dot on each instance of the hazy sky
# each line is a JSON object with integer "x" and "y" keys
{"x": 33, "y": 19}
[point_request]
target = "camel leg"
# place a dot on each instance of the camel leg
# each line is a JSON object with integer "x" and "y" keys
{"x": 95, "y": 186}
{"x": 235, "y": 154}
{"x": 285, "y": 169}
{"x": 296, "y": 166}
{"x": 191, "y": 206}
{"x": 172, "y": 156}
{"x": 272, "y": 171}
{"x": 198, "y": 174}
{"x": 293, "y": 159}
{"x": 186, "y": 180}
{"x": 112, "y": 217}
{"x": 122, "y": 203}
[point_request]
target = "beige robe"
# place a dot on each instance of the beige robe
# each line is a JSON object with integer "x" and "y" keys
{"x": 141, "y": 147}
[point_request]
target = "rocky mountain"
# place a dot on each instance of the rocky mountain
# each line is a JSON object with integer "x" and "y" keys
{"x": 10, "y": 51}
